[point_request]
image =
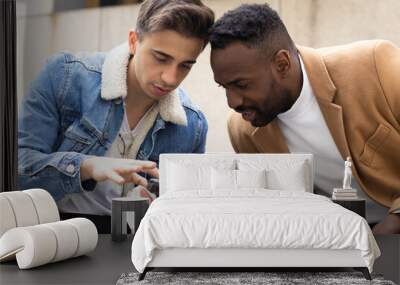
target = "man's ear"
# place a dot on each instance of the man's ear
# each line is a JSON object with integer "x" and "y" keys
{"x": 133, "y": 40}
{"x": 281, "y": 63}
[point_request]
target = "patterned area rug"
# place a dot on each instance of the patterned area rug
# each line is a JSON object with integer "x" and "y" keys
{"x": 243, "y": 278}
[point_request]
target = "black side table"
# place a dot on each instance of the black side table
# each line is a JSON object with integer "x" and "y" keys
{"x": 118, "y": 215}
{"x": 356, "y": 205}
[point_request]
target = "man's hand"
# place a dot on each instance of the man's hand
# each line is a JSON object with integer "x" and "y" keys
{"x": 145, "y": 193}
{"x": 119, "y": 170}
{"x": 389, "y": 225}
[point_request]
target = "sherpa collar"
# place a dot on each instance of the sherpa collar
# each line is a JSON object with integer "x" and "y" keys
{"x": 114, "y": 85}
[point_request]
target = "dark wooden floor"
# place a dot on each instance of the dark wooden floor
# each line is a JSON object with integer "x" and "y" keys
{"x": 110, "y": 260}
{"x": 389, "y": 262}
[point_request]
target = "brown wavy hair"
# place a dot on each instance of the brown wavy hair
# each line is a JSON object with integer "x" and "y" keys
{"x": 190, "y": 18}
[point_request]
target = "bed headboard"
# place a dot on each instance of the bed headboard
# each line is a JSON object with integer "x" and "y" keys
{"x": 234, "y": 161}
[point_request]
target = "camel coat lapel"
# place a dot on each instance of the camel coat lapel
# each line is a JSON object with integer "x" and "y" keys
{"x": 325, "y": 91}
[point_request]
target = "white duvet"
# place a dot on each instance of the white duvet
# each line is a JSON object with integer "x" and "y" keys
{"x": 250, "y": 219}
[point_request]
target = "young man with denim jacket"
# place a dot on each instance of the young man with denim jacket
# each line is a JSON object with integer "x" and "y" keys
{"x": 92, "y": 122}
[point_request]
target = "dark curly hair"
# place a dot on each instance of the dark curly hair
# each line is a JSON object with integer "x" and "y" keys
{"x": 255, "y": 25}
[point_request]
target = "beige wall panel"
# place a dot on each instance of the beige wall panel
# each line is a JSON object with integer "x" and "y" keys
{"x": 76, "y": 30}
{"x": 319, "y": 23}
{"x": 36, "y": 48}
{"x": 222, "y": 6}
{"x": 115, "y": 25}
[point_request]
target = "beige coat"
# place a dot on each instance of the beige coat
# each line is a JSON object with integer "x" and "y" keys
{"x": 357, "y": 87}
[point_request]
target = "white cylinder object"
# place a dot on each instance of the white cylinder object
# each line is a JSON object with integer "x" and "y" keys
{"x": 33, "y": 246}
{"x": 46, "y": 207}
{"x": 87, "y": 235}
{"x": 31, "y": 232}
{"x": 23, "y": 207}
{"x": 7, "y": 218}
{"x": 67, "y": 239}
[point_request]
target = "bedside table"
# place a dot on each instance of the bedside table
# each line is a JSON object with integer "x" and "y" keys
{"x": 119, "y": 207}
{"x": 356, "y": 205}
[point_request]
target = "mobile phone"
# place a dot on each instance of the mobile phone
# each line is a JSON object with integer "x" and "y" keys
{"x": 153, "y": 186}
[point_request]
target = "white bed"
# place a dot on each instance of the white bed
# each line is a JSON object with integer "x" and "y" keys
{"x": 268, "y": 217}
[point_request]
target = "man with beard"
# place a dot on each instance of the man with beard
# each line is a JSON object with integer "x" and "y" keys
{"x": 335, "y": 102}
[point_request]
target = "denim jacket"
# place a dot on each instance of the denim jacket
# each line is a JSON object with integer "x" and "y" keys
{"x": 74, "y": 108}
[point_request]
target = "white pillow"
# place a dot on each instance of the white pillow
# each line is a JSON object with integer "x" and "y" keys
{"x": 281, "y": 174}
{"x": 188, "y": 177}
{"x": 251, "y": 178}
{"x": 227, "y": 179}
{"x": 293, "y": 178}
{"x": 223, "y": 179}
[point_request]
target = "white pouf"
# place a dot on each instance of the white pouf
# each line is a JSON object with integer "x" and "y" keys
{"x": 32, "y": 233}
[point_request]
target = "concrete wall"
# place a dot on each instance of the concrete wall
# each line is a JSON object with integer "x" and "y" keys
{"x": 313, "y": 23}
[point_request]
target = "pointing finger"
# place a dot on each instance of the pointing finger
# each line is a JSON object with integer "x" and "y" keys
{"x": 116, "y": 177}
{"x": 153, "y": 172}
{"x": 139, "y": 180}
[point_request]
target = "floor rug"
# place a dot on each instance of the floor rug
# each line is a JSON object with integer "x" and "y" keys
{"x": 244, "y": 278}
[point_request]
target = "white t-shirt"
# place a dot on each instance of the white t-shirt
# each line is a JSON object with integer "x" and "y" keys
{"x": 98, "y": 201}
{"x": 305, "y": 130}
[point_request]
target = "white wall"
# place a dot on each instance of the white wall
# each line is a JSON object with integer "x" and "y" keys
{"x": 313, "y": 23}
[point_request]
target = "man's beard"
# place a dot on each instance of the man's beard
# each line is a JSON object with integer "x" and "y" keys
{"x": 263, "y": 118}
